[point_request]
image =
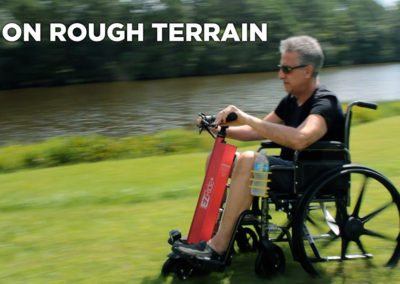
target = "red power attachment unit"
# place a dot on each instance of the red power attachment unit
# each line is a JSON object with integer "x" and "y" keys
{"x": 212, "y": 192}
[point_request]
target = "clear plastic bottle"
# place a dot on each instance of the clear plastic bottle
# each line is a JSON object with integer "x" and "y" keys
{"x": 258, "y": 185}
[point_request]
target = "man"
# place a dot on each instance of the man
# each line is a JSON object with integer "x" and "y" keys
{"x": 308, "y": 113}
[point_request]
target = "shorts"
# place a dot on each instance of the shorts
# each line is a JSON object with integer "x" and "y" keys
{"x": 281, "y": 180}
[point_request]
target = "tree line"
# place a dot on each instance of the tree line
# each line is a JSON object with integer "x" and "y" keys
{"x": 350, "y": 31}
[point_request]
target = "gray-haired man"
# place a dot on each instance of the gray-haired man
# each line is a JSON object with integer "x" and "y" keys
{"x": 307, "y": 114}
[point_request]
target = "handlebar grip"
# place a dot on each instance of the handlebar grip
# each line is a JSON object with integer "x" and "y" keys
{"x": 231, "y": 117}
{"x": 366, "y": 105}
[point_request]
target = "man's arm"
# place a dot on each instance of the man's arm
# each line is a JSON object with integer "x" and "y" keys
{"x": 311, "y": 130}
{"x": 248, "y": 133}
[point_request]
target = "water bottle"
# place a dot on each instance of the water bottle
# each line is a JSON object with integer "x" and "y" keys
{"x": 258, "y": 185}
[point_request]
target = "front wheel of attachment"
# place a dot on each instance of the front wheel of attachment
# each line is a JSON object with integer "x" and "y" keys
{"x": 182, "y": 269}
{"x": 270, "y": 260}
{"x": 168, "y": 267}
{"x": 351, "y": 214}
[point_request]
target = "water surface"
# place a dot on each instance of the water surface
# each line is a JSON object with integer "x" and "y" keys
{"x": 130, "y": 108}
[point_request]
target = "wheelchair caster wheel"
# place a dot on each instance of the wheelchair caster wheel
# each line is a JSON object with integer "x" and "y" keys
{"x": 270, "y": 260}
{"x": 246, "y": 240}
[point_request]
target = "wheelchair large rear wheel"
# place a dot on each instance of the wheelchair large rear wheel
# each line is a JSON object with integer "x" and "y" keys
{"x": 349, "y": 221}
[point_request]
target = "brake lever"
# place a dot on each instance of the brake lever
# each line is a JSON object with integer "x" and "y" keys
{"x": 202, "y": 123}
{"x": 205, "y": 124}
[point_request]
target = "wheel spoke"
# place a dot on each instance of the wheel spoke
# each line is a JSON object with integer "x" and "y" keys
{"x": 330, "y": 221}
{"x": 356, "y": 211}
{"x": 342, "y": 214}
{"x": 330, "y": 241}
{"x": 376, "y": 212}
{"x": 378, "y": 235}
{"x": 309, "y": 219}
{"x": 317, "y": 224}
{"x": 360, "y": 246}
{"x": 345, "y": 245}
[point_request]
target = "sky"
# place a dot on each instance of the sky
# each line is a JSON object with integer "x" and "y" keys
{"x": 387, "y": 3}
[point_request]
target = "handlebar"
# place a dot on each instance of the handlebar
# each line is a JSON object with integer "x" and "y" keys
{"x": 207, "y": 122}
{"x": 231, "y": 117}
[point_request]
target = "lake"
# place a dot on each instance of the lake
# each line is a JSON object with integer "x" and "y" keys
{"x": 130, "y": 108}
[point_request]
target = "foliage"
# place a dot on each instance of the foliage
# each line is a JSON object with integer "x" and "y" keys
{"x": 74, "y": 149}
{"x": 351, "y": 32}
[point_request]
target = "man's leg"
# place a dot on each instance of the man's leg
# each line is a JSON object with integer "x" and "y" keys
{"x": 239, "y": 199}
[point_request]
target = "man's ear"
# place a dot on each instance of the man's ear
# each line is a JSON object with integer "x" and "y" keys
{"x": 309, "y": 69}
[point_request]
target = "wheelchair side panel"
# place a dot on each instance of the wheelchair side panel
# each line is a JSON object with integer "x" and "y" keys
{"x": 309, "y": 168}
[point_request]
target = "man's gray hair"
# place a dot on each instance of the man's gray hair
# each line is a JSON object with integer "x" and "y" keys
{"x": 310, "y": 52}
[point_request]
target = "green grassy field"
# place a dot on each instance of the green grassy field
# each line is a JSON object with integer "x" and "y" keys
{"x": 107, "y": 222}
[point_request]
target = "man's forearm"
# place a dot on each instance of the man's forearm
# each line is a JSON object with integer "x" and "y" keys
{"x": 278, "y": 133}
{"x": 243, "y": 133}
{"x": 311, "y": 130}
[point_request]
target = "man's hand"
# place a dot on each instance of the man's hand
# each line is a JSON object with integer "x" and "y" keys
{"x": 223, "y": 114}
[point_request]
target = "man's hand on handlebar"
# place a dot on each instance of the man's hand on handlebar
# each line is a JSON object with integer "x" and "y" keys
{"x": 226, "y": 117}
{"x": 231, "y": 115}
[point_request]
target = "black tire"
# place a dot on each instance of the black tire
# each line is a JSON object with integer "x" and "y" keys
{"x": 168, "y": 267}
{"x": 270, "y": 260}
{"x": 246, "y": 240}
{"x": 182, "y": 269}
{"x": 351, "y": 213}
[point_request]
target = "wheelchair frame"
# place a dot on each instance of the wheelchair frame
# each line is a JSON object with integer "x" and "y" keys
{"x": 310, "y": 204}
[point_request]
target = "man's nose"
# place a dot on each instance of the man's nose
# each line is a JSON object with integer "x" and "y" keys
{"x": 281, "y": 75}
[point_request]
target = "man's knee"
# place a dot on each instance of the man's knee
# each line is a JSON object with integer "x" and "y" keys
{"x": 245, "y": 160}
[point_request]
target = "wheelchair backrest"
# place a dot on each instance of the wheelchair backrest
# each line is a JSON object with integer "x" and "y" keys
{"x": 321, "y": 157}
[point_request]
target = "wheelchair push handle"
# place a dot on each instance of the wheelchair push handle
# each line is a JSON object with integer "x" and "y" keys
{"x": 369, "y": 105}
{"x": 362, "y": 104}
{"x": 366, "y": 104}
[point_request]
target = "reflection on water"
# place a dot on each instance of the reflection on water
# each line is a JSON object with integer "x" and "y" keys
{"x": 129, "y": 108}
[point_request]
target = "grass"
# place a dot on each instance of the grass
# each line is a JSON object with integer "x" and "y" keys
{"x": 107, "y": 222}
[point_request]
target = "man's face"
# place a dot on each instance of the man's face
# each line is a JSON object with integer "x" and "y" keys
{"x": 296, "y": 79}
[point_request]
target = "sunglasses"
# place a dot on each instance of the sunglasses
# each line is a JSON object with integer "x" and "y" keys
{"x": 287, "y": 69}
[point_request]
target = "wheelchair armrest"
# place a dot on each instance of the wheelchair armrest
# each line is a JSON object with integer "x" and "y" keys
{"x": 326, "y": 145}
{"x": 269, "y": 144}
{"x": 281, "y": 168}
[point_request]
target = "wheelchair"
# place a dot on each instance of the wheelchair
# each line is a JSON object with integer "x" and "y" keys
{"x": 336, "y": 212}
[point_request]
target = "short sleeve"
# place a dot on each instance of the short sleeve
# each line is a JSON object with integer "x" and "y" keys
{"x": 326, "y": 106}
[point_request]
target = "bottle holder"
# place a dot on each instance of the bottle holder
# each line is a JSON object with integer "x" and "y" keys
{"x": 264, "y": 182}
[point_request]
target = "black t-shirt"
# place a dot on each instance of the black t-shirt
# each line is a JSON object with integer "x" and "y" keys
{"x": 322, "y": 102}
